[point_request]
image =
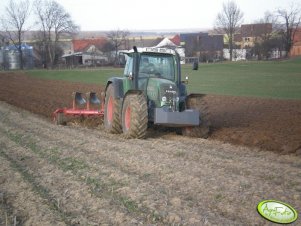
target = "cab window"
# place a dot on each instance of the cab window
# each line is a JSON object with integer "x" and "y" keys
{"x": 162, "y": 66}
{"x": 128, "y": 70}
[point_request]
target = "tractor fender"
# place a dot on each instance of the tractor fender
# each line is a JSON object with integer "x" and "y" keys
{"x": 131, "y": 92}
{"x": 117, "y": 85}
{"x": 195, "y": 95}
{"x": 182, "y": 89}
{"x": 182, "y": 92}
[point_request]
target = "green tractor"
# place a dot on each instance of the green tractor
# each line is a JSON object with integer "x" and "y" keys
{"x": 151, "y": 92}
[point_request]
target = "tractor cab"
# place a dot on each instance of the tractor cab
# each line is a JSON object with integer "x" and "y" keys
{"x": 152, "y": 65}
{"x": 148, "y": 63}
{"x": 155, "y": 71}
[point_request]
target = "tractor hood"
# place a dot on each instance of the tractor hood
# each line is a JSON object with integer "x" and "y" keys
{"x": 162, "y": 92}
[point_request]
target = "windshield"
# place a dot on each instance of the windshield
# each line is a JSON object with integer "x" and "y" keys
{"x": 161, "y": 66}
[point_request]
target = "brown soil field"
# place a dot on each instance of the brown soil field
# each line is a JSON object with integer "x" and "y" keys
{"x": 74, "y": 175}
{"x": 77, "y": 175}
{"x": 268, "y": 124}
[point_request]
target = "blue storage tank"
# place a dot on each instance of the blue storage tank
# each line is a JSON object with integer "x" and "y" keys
{"x": 12, "y": 57}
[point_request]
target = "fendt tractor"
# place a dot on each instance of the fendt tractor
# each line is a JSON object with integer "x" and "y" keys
{"x": 151, "y": 92}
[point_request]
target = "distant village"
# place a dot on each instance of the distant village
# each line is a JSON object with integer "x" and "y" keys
{"x": 92, "y": 49}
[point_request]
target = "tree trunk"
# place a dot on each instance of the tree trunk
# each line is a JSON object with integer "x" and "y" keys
{"x": 21, "y": 57}
{"x": 116, "y": 55}
{"x": 231, "y": 47}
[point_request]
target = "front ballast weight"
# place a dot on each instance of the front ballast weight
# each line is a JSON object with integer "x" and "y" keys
{"x": 81, "y": 107}
{"x": 165, "y": 117}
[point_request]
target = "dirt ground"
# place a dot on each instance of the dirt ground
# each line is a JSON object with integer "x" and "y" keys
{"x": 76, "y": 175}
{"x": 73, "y": 175}
{"x": 268, "y": 124}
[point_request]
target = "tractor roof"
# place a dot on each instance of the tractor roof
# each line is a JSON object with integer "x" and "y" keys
{"x": 152, "y": 50}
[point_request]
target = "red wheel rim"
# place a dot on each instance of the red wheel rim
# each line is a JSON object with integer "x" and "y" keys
{"x": 127, "y": 118}
{"x": 110, "y": 110}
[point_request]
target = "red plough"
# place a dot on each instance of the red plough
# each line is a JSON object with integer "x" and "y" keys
{"x": 80, "y": 107}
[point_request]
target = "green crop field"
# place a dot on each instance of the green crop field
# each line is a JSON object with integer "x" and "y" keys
{"x": 267, "y": 79}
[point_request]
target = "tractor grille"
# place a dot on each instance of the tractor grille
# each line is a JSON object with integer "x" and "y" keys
{"x": 170, "y": 92}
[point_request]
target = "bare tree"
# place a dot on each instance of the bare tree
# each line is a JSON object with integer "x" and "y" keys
{"x": 291, "y": 19}
{"x": 268, "y": 19}
{"x": 228, "y": 22}
{"x": 107, "y": 49}
{"x": 14, "y": 22}
{"x": 268, "y": 39}
{"x": 118, "y": 38}
{"x": 54, "y": 23}
{"x": 2, "y": 38}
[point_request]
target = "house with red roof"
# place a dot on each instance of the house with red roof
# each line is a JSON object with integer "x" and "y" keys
{"x": 81, "y": 45}
{"x": 176, "y": 40}
{"x": 87, "y": 52}
{"x": 96, "y": 51}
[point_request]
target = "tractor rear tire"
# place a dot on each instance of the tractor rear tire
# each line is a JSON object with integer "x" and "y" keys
{"x": 134, "y": 116}
{"x": 112, "y": 112}
{"x": 197, "y": 102}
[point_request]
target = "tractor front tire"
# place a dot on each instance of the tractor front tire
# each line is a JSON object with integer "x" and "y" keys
{"x": 112, "y": 112}
{"x": 197, "y": 102}
{"x": 134, "y": 116}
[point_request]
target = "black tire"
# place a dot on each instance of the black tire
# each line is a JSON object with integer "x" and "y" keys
{"x": 202, "y": 131}
{"x": 134, "y": 116}
{"x": 112, "y": 112}
{"x": 59, "y": 119}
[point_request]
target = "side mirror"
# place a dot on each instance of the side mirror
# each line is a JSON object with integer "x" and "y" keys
{"x": 186, "y": 80}
{"x": 130, "y": 76}
{"x": 195, "y": 66}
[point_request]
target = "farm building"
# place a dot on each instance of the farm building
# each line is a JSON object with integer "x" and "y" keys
{"x": 237, "y": 54}
{"x": 148, "y": 41}
{"x": 210, "y": 47}
{"x": 252, "y": 33}
{"x": 87, "y": 52}
{"x": 203, "y": 45}
{"x": 168, "y": 43}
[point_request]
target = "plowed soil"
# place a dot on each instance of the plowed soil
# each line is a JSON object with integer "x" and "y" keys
{"x": 268, "y": 124}
{"x": 66, "y": 175}
{"x": 74, "y": 175}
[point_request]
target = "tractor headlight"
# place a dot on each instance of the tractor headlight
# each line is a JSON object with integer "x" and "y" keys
{"x": 163, "y": 99}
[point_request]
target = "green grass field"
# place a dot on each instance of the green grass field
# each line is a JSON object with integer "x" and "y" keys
{"x": 268, "y": 79}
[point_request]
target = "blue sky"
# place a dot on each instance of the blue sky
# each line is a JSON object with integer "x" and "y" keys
{"x": 159, "y": 14}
